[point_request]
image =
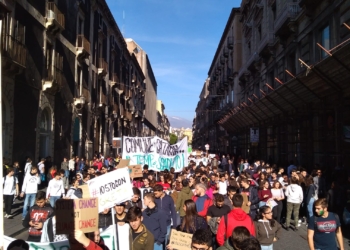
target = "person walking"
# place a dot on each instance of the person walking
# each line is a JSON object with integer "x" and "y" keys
{"x": 64, "y": 166}
{"x": 253, "y": 197}
{"x": 294, "y": 194}
{"x": 324, "y": 228}
{"x": 237, "y": 217}
{"x": 155, "y": 221}
{"x": 55, "y": 189}
{"x": 185, "y": 194}
{"x": 267, "y": 229}
{"x": 36, "y": 217}
{"x": 74, "y": 192}
{"x": 166, "y": 204}
{"x": 264, "y": 192}
{"x": 203, "y": 202}
{"x": 192, "y": 221}
{"x": 10, "y": 190}
{"x": 140, "y": 238}
{"x": 29, "y": 189}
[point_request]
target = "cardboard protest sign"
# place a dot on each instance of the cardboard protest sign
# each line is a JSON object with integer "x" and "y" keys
{"x": 123, "y": 163}
{"x": 135, "y": 171}
{"x": 74, "y": 214}
{"x": 180, "y": 240}
{"x": 157, "y": 153}
{"x": 86, "y": 192}
{"x": 111, "y": 188}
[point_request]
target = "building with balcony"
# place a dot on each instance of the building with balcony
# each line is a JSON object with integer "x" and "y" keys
{"x": 150, "y": 119}
{"x": 69, "y": 82}
{"x": 221, "y": 89}
{"x": 163, "y": 122}
{"x": 293, "y": 97}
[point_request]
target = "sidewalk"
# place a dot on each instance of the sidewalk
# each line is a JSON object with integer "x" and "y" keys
{"x": 13, "y": 226}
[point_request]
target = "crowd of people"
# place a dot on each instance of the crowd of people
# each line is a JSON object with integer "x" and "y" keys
{"x": 226, "y": 204}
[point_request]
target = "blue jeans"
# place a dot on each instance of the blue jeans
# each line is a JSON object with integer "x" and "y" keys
{"x": 157, "y": 247}
{"x": 28, "y": 202}
{"x": 168, "y": 228}
{"x": 267, "y": 247}
{"x": 310, "y": 208}
{"x": 66, "y": 173}
{"x": 53, "y": 200}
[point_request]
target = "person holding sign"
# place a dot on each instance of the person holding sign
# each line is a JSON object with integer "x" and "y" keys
{"x": 140, "y": 238}
{"x": 155, "y": 221}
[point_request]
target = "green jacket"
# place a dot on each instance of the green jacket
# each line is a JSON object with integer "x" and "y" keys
{"x": 185, "y": 194}
{"x": 144, "y": 241}
{"x": 227, "y": 246}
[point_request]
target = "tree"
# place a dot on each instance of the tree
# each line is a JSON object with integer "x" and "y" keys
{"x": 173, "y": 139}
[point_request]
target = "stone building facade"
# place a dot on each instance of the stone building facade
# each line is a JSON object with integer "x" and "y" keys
{"x": 292, "y": 83}
{"x": 69, "y": 82}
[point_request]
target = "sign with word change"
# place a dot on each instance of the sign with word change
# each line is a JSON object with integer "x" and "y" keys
{"x": 180, "y": 240}
{"x": 254, "y": 135}
{"x": 135, "y": 171}
{"x": 111, "y": 188}
{"x": 157, "y": 153}
{"x": 74, "y": 214}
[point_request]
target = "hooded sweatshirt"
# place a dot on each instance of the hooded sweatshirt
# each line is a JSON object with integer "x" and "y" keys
{"x": 294, "y": 194}
{"x": 237, "y": 217}
{"x": 185, "y": 194}
{"x": 265, "y": 233}
{"x": 30, "y": 184}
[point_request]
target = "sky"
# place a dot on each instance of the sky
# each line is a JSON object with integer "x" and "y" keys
{"x": 180, "y": 38}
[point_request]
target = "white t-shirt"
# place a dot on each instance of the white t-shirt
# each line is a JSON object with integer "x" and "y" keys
{"x": 41, "y": 167}
{"x": 222, "y": 187}
{"x": 9, "y": 188}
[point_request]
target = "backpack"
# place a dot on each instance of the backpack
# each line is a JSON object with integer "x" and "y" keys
{"x": 78, "y": 192}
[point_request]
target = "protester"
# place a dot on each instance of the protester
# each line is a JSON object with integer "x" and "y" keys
{"x": 239, "y": 234}
{"x": 140, "y": 238}
{"x": 237, "y": 217}
{"x": 29, "y": 189}
{"x": 135, "y": 199}
{"x": 74, "y": 192}
{"x": 55, "y": 189}
{"x": 320, "y": 184}
{"x": 83, "y": 241}
{"x": 278, "y": 196}
{"x": 10, "y": 190}
{"x": 324, "y": 228}
{"x": 266, "y": 228}
{"x": 184, "y": 194}
{"x": 222, "y": 185}
{"x": 215, "y": 213}
{"x": 252, "y": 194}
{"x": 264, "y": 192}
{"x": 65, "y": 180}
{"x": 203, "y": 202}
{"x": 310, "y": 197}
{"x": 295, "y": 196}
{"x": 96, "y": 238}
{"x": 231, "y": 191}
{"x": 201, "y": 240}
{"x": 155, "y": 221}
{"x": 41, "y": 167}
{"x": 165, "y": 203}
{"x": 192, "y": 221}
{"x": 36, "y": 217}
{"x": 71, "y": 168}
{"x": 28, "y": 166}
{"x": 122, "y": 226}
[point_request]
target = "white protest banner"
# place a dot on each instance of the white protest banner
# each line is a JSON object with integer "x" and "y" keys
{"x": 157, "y": 153}
{"x": 79, "y": 214}
{"x": 203, "y": 160}
{"x": 107, "y": 236}
{"x": 111, "y": 188}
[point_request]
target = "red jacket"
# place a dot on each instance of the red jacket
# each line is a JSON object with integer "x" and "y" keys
{"x": 93, "y": 246}
{"x": 207, "y": 203}
{"x": 237, "y": 217}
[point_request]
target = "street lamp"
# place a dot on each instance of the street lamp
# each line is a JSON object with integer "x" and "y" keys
{"x": 207, "y": 148}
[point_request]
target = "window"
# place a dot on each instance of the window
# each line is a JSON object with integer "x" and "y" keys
{"x": 259, "y": 32}
{"x": 325, "y": 40}
{"x": 232, "y": 96}
{"x": 227, "y": 98}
